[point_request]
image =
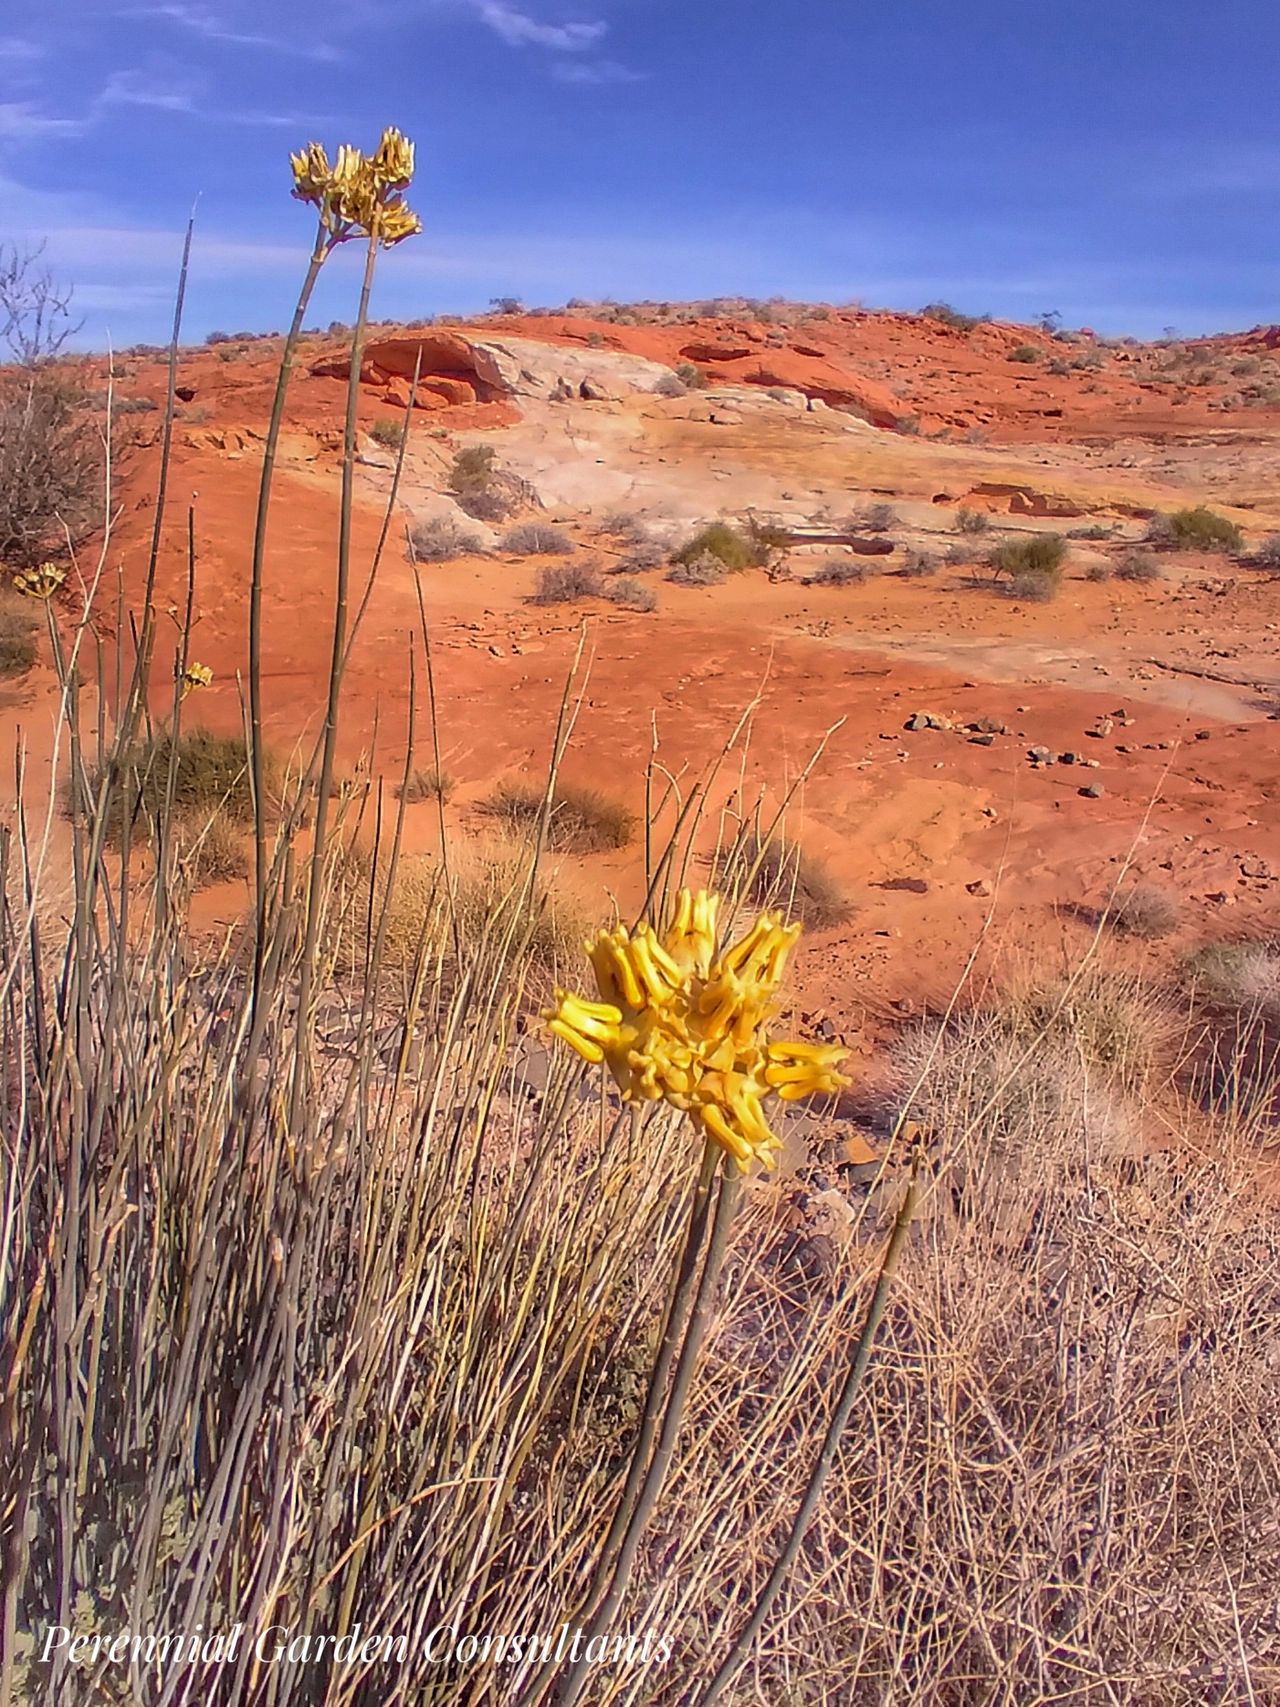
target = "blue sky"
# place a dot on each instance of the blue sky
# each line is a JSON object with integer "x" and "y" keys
{"x": 1116, "y": 160}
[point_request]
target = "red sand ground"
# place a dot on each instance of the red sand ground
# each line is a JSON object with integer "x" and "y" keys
{"x": 917, "y": 827}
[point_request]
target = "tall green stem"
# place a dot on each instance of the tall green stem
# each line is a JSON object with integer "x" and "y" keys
{"x": 257, "y": 759}
{"x": 324, "y": 788}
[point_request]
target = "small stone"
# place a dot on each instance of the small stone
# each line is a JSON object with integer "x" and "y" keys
{"x": 1204, "y": 734}
{"x": 1070, "y": 759}
{"x": 1041, "y": 756}
{"x": 980, "y": 887}
{"x": 982, "y": 740}
{"x": 1092, "y": 791}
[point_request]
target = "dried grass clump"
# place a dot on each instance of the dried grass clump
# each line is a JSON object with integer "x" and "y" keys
{"x": 19, "y": 626}
{"x": 1145, "y": 910}
{"x": 705, "y": 570}
{"x": 838, "y": 572}
{"x": 631, "y": 594}
{"x": 441, "y": 539}
{"x": 1138, "y": 566}
{"x": 578, "y": 819}
{"x": 777, "y": 872}
{"x": 426, "y": 785}
{"x": 1244, "y": 976}
{"x": 565, "y": 583}
{"x": 537, "y": 539}
{"x": 211, "y": 848}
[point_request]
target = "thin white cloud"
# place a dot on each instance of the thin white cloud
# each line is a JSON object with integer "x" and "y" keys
{"x": 594, "y": 71}
{"x": 147, "y": 89}
{"x": 15, "y": 50}
{"x": 21, "y": 121}
{"x": 518, "y": 29}
{"x": 203, "y": 21}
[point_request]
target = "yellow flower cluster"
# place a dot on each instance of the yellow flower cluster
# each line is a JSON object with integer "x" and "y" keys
{"x": 41, "y": 583}
{"x": 359, "y": 193}
{"x": 195, "y": 676}
{"x": 683, "y": 1020}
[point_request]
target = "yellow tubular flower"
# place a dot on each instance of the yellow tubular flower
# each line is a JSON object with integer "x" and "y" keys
{"x": 311, "y": 173}
{"x": 683, "y": 1020}
{"x": 393, "y": 162}
{"x": 195, "y": 676}
{"x": 41, "y": 583}
{"x": 396, "y": 222}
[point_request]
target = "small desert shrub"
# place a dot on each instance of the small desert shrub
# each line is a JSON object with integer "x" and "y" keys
{"x": 1024, "y": 353}
{"x": 1267, "y": 556}
{"x": 704, "y": 570}
{"x": 1098, "y": 572}
{"x": 51, "y": 463}
{"x": 876, "y": 518}
{"x": 564, "y": 583}
{"x": 537, "y": 539}
{"x": 211, "y": 848}
{"x": 210, "y": 773}
{"x": 648, "y": 555}
{"x": 580, "y": 820}
{"x": 1145, "y": 910}
{"x": 487, "y": 891}
{"x": 671, "y": 385}
{"x": 1042, "y": 554}
{"x": 19, "y": 625}
{"x": 481, "y": 489}
{"x": 1059, "y": 368}
{"x": 838, "y": 572}
{"x": 1138, "y": 566}
{"x": 631, "y": 594}
{"x": 1199, "y": 529}
{"x": 734, "y": 550}
{"x": 426, "y": 785}
{"x": 778, "y": 873}
{"x": 1237, "y": 975}
{"x": 1035, "y": 586}
{"x": 626, "y": 526}
{"x": 439, "y": 539}
{"x": 133, "y": 405}
{"x": 945, "y": 315}
{"x": 690, "y": 376}
{"x": 1095, "y": 530}
{"x": 972, "y": 521}
{"x": 387, "y": 433}
{"x": 919, "y": 565}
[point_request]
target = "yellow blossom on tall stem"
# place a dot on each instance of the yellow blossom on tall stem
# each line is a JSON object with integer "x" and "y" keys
{"x": 41, "y": 583}
{"x": 359, "y": 194}
{"x": 684, "y": 1019}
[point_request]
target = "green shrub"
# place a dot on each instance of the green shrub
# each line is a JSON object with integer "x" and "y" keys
{"x": 733, "y": 549}
{"x": 691, "y": 376}
{"x": 387, "y": 433}
{"x": 1024, "y": 353}
{"x": 210, "y": 773}
{"x": 945, "y": 315}
{"x": 972, "y": 521}
{"x": 1198, "y": 529}
{"x": 1041, "y": 554}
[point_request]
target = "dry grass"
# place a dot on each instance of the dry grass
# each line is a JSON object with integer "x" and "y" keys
{"x": 566, "y": 583}
{"x": 426, "y": 785}
{"x": 19, "y": 627}
{"x": 1238, "y": 975}
{"x": 1145, "y": 910}
{"x": 578, "y": 819}
{"x": 779, "y": 873}
{"x": 537, "y": 539}
{"x": 211, "y": 848}
{"x": 441, "y": 539}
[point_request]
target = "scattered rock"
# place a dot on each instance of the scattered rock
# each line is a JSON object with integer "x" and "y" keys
{"x": 982, "y": 740}
{"x": 979, "y": 887}
{"x": 1041, "y": 757}
{"x": 1092, "y": 791}
{"x": 927, "y": 720}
